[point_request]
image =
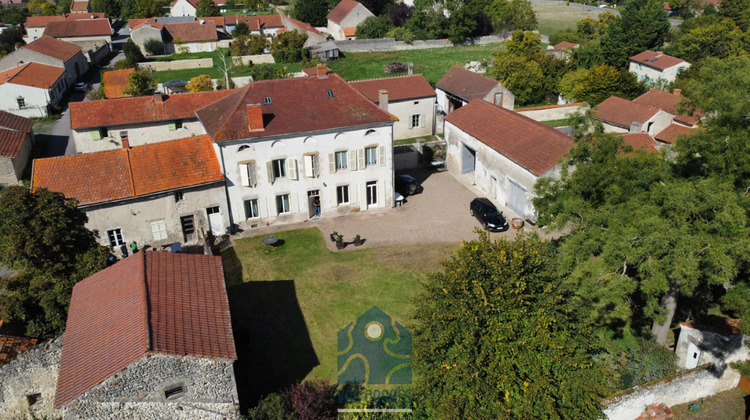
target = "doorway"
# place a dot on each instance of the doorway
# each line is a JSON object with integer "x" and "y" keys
{"x": 468, "y": 159}
{"x": 215, "y": 224}
{"x": 311, "y": 196}
{"x": 517, "y": 198}
{"x": 372, "y": 194}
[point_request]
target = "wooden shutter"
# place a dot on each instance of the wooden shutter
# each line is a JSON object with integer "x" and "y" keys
{"x": 332, "y": 163}
{"x": 353, "y": 193}
{"x": 251, "y": 176}
{"x": 293, "y": 208}
{"x": 96, "y": 135}
{"x": 421, "y": 120}
{"x": 307, "y": 162}
{"x": 361, "y": 158}
{"x": 381, "y": 155}
{"x": 269, "y": 168}
{"x": 352, "y": 160}
{"x": 316, "y": 165}
{"x": 381, "y": 194}
{"x": 293, "y": 172}
{"x": 244, "y": 177}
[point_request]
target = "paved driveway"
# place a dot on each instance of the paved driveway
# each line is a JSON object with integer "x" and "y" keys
{"x": 439, "y": 214}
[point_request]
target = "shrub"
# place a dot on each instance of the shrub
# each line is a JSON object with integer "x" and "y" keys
{"x": 154, "y": 46}
{"x": 396, "y": 67}
{"x": 313, "y": 400}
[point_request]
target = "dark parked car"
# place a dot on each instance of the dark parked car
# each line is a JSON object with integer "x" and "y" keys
{"x": 488, "y": 215}
{"x": 406, "y": 185}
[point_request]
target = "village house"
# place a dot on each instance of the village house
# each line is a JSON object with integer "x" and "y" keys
{"x": 102, "y": 125}
{"x": 157, "y": 194}
{"x": 673, "y": 131}
{"x": 620, "y": 115}
{"x": 344, "y": 18}
{"x": 16, "y": 141}
{"x": 410, "y": 98}
{"x": 502, "y": 153}
{"x": 80, "y": 6}
{"x": 268, "y": 25}
{"x": 711, "y": 339}
{"x": 188, "y": 7}
{"x": 314, "y": 37}
{"x": 177, "y": 34}
{"x": 460, "y": 86}
{"x": 654, "y": 65}
{"x": 669, "y": 103}
{"x": 94, "y": 36}
{"x": 283, "y": 143}
{"x": 52, "y": 52}
{"x": 35, "y": 25}
{"x": 30, "y": 89}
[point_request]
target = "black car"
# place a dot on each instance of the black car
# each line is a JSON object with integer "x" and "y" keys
{"x": 488, "y": 215}
{"x": 406, "y": 185}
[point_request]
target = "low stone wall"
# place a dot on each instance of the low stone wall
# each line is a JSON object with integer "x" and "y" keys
{"x": 32, "y": 372}
{"x": 554, "y": 112}
{"x": 197, "y": 63}
{"x": 255, "y": 59}
{"x": 680, "y": 388}
{"x": 390, "y": 44}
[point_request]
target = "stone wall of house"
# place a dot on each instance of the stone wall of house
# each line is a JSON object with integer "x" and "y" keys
{"x": 197, "y": 63}
{"x": 7, "y": 172}
{"x": 32, "y": 372}
{"x": 390, "y": 44}
{"x": 680, "y": 388}
{"x": 554, "y": 112}
{"x": 138, "y": 391}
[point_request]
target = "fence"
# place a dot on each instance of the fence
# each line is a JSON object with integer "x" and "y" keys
{"x": 390, "y": 44}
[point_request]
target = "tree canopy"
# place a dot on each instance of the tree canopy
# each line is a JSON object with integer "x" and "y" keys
{"x": 207, "y": 8}
{"x": 642, "y": 25}
{"x": 313, "y": 12}
{"x": 288, "y": 47}
{"x": 201, "y": 83}
{"x": 497, "y": 337}
{"x": 512, "y": 15}
{"x": 133, "y": 54}
{"x": 373, "y": 27}
{"x": 140, "y": 83}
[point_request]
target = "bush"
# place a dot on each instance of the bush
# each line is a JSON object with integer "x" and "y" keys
{"x": 646, "y": 362}
{"x": 122, "y": 64}
{"x": 567, "y": 35}
{"x": 272, "y": 407}
{"x": 133, "y": 54}
{"x": 312, "y": 400}
{"x": 222, "y": 84}
{"x": 200, "y": 83}
{"x": 401, "y": 34}
{"x": 288, "y": 47}
{"x": 154, "y": 46}
{"x": 267, "y": 71}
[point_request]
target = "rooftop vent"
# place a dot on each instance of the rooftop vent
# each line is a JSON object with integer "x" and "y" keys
{"x": 330, "y": 94}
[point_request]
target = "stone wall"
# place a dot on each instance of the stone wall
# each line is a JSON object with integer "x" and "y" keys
{"x": 390, "y": 44}
{"x": 680, "y": 388}
{"x": 554, "y": 112}
{"x": 197, "y": 63}
{"x": 255, "y": 59}
{"x": 32, "y": 372}
{"x": 137, "y": 392}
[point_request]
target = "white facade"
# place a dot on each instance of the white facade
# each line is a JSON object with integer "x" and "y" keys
{"x": 356, "y": 16}
{"x": 499, "y": 95}
{"x": 652, "y": 74}
{"x": 207, "y": 46}
{"x": 97, "y": 139}
{"x": 275, "y": 180}
{"x": 653, "y": 126}
{"x": 28, "y": 101}
{"x": 33, "y": 34}
{"x": 416, "y": 117}
{"x": 182, "y": 8}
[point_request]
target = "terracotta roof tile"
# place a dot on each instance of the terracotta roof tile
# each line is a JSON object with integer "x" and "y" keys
{"x": 42, "y": 21}
{"x": 111, "y": 112}
{"x": 342, "y": 10}
{"x": 254, "y": 22}
{"x": 297, "y": 105}
{"x": 298, "y": 24}
{"x": 531, "y": 144}
{"x": 656, "y": 59}
{"x": 115, "y": 81}
{"x": 399, "y": 88}
{"x": 313, "y": 71}
{"x": 466, "y": 84}
{"x": 85, "y": 16}
{"x": 622, "y": 112}
{"x": 79, "y": 6}
{"x": 11, "y": 346}
{"x": 119, "y": 174}
{"x": 32, "y": 74}
{"x": 113, "y": 311}
{"x": 193, "y": 31}
{"x": 672, "y": 132}
{"x": 13, "y": 131}
{"x": 350, "y": 31}
{"x": 54, "y": 48}
{"x": 78, "y": 28}
{"x": 640, "y": 141}
{"x": 668, "y": 102}
{"x": 565, "y": 45}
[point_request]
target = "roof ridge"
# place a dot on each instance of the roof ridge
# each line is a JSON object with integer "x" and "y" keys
{"x": 130, "y": 171}
{"x": 149, "y": 332}
{"x": 357, "y": 92}
{"x": 384, "y": 78}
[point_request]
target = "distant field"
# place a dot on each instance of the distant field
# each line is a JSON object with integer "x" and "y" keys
{"x": 558, "y": 17}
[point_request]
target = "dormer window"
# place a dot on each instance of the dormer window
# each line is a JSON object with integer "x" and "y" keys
{"x": 267, "y": 100}
{"x": 330, "y": 94}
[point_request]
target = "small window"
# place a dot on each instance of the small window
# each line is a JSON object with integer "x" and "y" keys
{"x": 188, "y": 227}
{"x": 342, "y": 194}
{"x": 267, "y": 100}
{"x": 21, "y": 102}
{"x": 341, "y": 160}
{"x": 247, "y": 174}
{"x": 159, "y": 230}
{"x": 33, "y": 398}
{"x": 313, "y": 193}
{"x": 312, "y": 165}
{"x": 279, "y": 168}
{"x": 282, "y": 204}
{"x": 244, "y": 147}
{"x": 330, "y": 94}
{"x": 414, "y": 121}
{"x": 251, "y": 209}
{"x": 371, "y": 156}
{"x": 103, "y": 132}
{"x": 115, "y": 237}
{"x": 179, "y": 196}
{"x": 174, "y": 392}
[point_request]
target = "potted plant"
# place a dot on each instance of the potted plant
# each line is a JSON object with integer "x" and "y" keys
{"x": 357, "y": 240}
{"x": 340, "y": 242}
{"x": 334, "y": 235}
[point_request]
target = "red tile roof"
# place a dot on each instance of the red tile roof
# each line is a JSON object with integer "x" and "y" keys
{"x": 115, "y": 81}
{"x": 466, "y": 84}
{"x": 313, "y": 71}
{"x": 32, "y": 74}
{"x": 399, "y": 88}
{"x": 622, "y": 112}
{"x": 13, "y": 131}
{"x": 152, "y": 302}
{"x": 350, "y": 31}
{"x": 120, "y": 174}
{"x": 656, "y": 59}
{"x": 668, "y": 102}
{"x": 193, "y": 31}
{"x": 79, "y": 6}
{"x": 42, "y": 21}
{"x": 670, "y": 134}
{"x": 297, "y": 105}
{"x": 254, "y": 22}
{"x": 531, "y": 144}
{"x": 79, "y": 28}
{"x": 298, "y": 24}
{"x": 640, "y": 141}
{"x": 111, "y": 112}
{"x": 55, "y": 48}
{"x": 83, "y": 16}
{"x": 342, "y": 10}
{"x": 565, "y": 45}
{"x": 11, "y": 346}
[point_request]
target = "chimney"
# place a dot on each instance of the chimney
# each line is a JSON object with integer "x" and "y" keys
{"x": 410, "y": 68}
{"x": 383, "y": 99}
{"x": 125, "y": 142}
{"x": 321, "y": 71}
{"x": 255, "y": 117}
{"x": 677, "y": 92}
{"x": 659, "y": 53}
{"x": 158, "y": 98}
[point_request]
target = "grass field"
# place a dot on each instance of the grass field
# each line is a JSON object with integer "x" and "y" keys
{"x": 289, "y": 302}
{"x": 558, "y": 17}
{"x": 432, "y": 63}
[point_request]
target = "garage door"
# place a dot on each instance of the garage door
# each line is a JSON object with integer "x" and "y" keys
{"x": 517, "y": 198}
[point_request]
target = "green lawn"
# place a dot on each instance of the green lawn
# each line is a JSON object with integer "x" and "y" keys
{"x": 432, "y": 63}
{"x": 556, "y": 123}
{"x": 215, "y": 73}
{"x": 557, "y": 17}
{"x": 289, "y": 302}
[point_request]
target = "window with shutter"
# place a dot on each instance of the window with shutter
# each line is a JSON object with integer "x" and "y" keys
{"x": 371, "y": 156}
{"x": 381, "y": 155}
{"x": 352, "y": 160}
{"x": 159, "y": 230}
{"x": 293, "y": 170}
{"x": 251, "y": 176}
{"x": 341, "y": 161}
{"x": 316, "y": 165}
{"x": 361, "y": 159}
{"x": 331, "y": 163}
{"x": 421, "y": 120}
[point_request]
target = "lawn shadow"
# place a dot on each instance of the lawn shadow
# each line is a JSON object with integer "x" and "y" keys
{"x": 273, "y": 344}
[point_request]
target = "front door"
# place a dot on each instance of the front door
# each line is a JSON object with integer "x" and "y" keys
{"x": 372, "y": 194}
{"x": 215, "y": 224}
{"x": 694, "y": 353}
{"x": 517, "y": 198}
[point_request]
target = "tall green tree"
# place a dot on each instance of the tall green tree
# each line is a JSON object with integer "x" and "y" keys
{"x": 373, "y": 27}
{"x": 642, "y": 25}
{"x": 512, "y": 15}
{"x": 140, "y": 83}
{"x": 428, "y": 21}
{"x": 41, "y": 8}
{"x": 738, "y": 11}
{"x": 313, "y": 12}
{"x": 498, "y": 337}
{"x": 111, "y": 8}
{"x": 288, "y": 47}
{"x": 248, "y": 45}
{"x": 599, "y": 83}
{"x": 44, "y": 241}
{"x": 133, "y": 54}
{"x": 207, "y": 8}
{"x": 708, "y": 36}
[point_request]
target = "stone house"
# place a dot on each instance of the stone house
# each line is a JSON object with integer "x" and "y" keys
{"x": 673, "y": 131}
{"x": 502, "y": 153}
{"x": 89, "y": 34}
{"x": 52, "y": 52}
{"x": 150, "y": 336}
{"x": 410, "y": 98}
{"x": 29, "y": 89}
{"x": 314, "y": 37}
{"x": 268, "y": 25}
{"x": 654, "y": 65}
{"x": 282, "y": 143}
{"x": 187, "y": 7}
{"x": 35, "y": 25}
{"x": 157, "y": 194}
{"x": 16, "y": 142}
{"x": 199, "y": 36}
{"x": 669, "y": 103}
{"x": 623, "y": 116}
{"x": 80, "y": 6}
{"x": 344, "y": 18}
{"x": 101, "y": 125}
{"x": 460, "y": 86}
{"x": 712, "y": 339}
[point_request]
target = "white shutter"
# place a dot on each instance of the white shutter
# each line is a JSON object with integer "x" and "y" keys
{"x": 411, "y": 121}
{"x": 421, "y": 120}
{"x": 316, "y": 165}
{"x": 308, "y": 163}
{"x": 352, "y": 160}
{"x": 262, "y": 207}
{"x": 292, "y": 164}
{"x": 269, "y": 168}
{"x": 331, "y": 163}
{"x": 293, "y": 203}
{"x": 251, "y": 176}
{"x": 244, "y": 178}
{"x": 159, "y": 230}
{"x": 381, "y": 155}
{"x": 361, "y": 158}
